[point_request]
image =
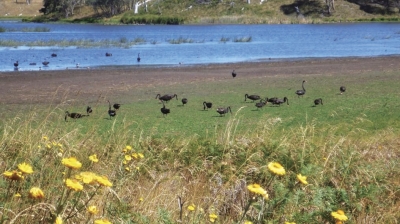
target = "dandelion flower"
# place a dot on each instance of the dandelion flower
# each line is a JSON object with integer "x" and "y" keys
{"x": 58, "y": 220}
{"x": 276, "y": 168}
{"x": 93, "y": 158}
{"x": 128, "y": 158}
{"x": 25, "y": 168}
{"x": 36, "y": 193}
{"x": 72, "y": 163}
{"x": 93, "y": 210}
{"x": 213, "y": 217}
{"x": 13, "y": 175}
{"x": 102, "y": 221}
{"x": 74, "y": 185}
{"x": 102, "y": 180}
{"x": 302, "y": 179}
{"x": 191, "y": 207}
{"x": 339, "y": 215}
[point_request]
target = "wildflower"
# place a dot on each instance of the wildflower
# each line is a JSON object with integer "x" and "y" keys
{"x": 290, "y": 223}
{"x": 128, "y": 147}
{"x": 248, "y": 222}
{"x": 86, "y": 177}
{"x": 191, "y": 207}
{"x": 74, "y": 185}
{"x": 141, "y": 155}
{"x": 45, "y": 138}
{"x": 36, "y": 193}
{"x": 13, "y": 175}
{"x": 25, "y": 168}
{"x": 102, "y": 221}
{"x": 140, "y": 199}
{"x": 276, "y": 168}
{"x": 17, "y": 195}
{"x": 127, "y": 169}
{"x": 102, "y": 180}
{"x": 58, "y": 220}
{"x": 213, "y": 217}
{"x": 128, "y": 158}
{"x": 135, "y": 155}
{"x": 257, "y": 189}
{"x": 124, "y": 162}
{"x": 72, "y": 163}
{"x": 48, "y": 146}
{"x": 339, "y": 215}
{"x": 302, "y": 179}
{"x": 93, "y": 158}
{"x": 93, "y": 210}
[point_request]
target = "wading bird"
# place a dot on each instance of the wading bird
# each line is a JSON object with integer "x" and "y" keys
{"x": 108, "y": 54}
{"x": 342, "y": 89}
{"x": 111, "y": 112}
{"x": 164, "y": 110}
{"x": 223, "y": 111}
{"x": 184, "y": 101}
{"x": 89, "y": 110}
{"x": 166, "y": 97}
{"x": 281, "y": 101}
{"x": 138, "y": 57}
{"x": 233, "y": 74}
{"x": 73, "y": 115}
{"x": 207, "y": 105}
{"x": 317, "y": 102}
{"x": 261, "y": 104}
{"x": 45, "y": 63}
{"x": 301, "y": 92}
{"x": 252, "y": 97}
{"x": 16, "y": 64}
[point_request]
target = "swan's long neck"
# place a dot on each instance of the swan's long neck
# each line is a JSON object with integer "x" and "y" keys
{"x": 303, "y": 87}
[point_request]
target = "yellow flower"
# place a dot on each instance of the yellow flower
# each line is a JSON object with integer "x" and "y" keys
{"x": 128, "y": 158}
{"x": 140, "y": 199}
{"x": 128, "y": 147}
{"x": 248, "y": 222}
{"x": 58, "y": 220}
{"x": 302, "y": 179}
{"x": 72, "y": 163}
{"x": 36, "y": 193}
{"x": 339, "y": 215}
{"x": 93, "y": 210}
{"x": 276, "y": 168}
{"x": 86, "y": 177}
{"x": 290, "y": 223}
{"x": 59, "y": 145}
{"x": 17, "y": 195}
{"x": 127, "y": 169}
{"x": 191, "y": 207}
{"x": 257, "y": 189}
{"x": 102, "y": 221}
{"x": 73, "y": 184}
{"x": 13, "y": 175}
{"x": 213, "y": 217}
{"x": 102, "y": 180}
{"x": 25, "y": 168}
{"x": 48, "y": 146}
{"x": 93, "y": 158}
{"x": 135, "y": 155}
{"x": 45, "y": 138}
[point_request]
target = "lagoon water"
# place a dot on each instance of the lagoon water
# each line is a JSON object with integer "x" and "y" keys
{"x": 268, "y": 42}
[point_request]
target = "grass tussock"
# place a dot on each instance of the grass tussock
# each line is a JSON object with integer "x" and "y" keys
{"x": 305, "y": 174}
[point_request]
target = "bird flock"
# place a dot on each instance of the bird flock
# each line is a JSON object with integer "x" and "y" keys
{"x": 222, "y": 111}
{"x": 46, "y": 63}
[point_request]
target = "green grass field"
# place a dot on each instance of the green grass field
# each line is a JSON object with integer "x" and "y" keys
{"x": 347, "y": 148}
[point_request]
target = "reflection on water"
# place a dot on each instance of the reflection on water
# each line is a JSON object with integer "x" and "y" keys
{"x": 188, "y": 44}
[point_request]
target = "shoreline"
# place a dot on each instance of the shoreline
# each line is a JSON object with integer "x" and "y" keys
{"x": 32, "y": 87}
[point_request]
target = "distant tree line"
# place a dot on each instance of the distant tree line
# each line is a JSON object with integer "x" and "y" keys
{"x": 106, "y": 7}
{"x": 113, "y": 7}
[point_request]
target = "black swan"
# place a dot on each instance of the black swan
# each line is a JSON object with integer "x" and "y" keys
{"x": 73, "y": 115}
{"x": 252, "y": 97}
{"x": 342, "y": 89}
{"x": 233, "y": 74}
{"x": 166, "y": 97}
{"x": 184, "y": 101}
{"x": 318, "y": 101}
{"x": 207, "y": 105}
{"x": 303, "y": 91}
{"x": 223, "y": 111}
{"x": 281, "y": 101}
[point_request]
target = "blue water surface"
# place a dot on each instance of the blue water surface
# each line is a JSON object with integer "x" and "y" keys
{"x": 268, "y": 42}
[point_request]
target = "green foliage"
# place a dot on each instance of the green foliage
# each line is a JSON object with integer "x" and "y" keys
{"x": 151, "y": 19}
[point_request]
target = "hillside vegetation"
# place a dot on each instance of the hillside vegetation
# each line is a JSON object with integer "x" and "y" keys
{"x": 207, "y": 11}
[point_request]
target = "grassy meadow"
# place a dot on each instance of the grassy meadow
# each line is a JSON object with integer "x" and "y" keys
{"x": 195, "y": 166}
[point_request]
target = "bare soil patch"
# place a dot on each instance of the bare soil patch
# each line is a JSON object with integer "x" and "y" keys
{"x": 31, "y": 87}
